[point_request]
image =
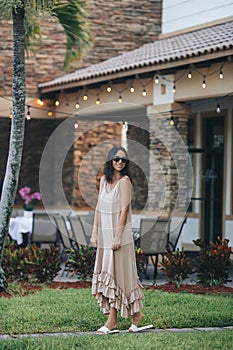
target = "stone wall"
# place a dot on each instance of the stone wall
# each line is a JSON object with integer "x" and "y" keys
{"x": 93, "y": 141}
{"x": 168, "y": 183}
{"x": 117, "y": 27}
{"x": 37, "y": 133}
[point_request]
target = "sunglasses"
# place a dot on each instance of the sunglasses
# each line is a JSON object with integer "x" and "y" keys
{"x": 117, "y": 159}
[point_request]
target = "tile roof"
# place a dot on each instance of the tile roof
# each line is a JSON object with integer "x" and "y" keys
{"x": 196, "y": 43}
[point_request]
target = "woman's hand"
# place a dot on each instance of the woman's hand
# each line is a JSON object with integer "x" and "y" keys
{"x": 116, "y": 243}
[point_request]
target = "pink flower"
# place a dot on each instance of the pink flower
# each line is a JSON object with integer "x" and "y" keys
{"x": 27, "y": 196}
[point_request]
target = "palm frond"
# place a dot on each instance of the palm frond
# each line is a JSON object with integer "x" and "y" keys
{"x": 72, "y": 15}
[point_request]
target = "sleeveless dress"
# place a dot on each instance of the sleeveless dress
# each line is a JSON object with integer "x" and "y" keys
{"x": 115, "y": 282}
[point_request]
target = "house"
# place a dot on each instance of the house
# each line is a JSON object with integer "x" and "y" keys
{"x": 173, "y": 100}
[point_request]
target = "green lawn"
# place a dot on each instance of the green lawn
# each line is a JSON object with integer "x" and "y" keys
{"x": 75, "y": 310}
{"x": 162, "y": 341}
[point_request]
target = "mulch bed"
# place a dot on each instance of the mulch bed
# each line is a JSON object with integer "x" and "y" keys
{"x": 28, "y": 288}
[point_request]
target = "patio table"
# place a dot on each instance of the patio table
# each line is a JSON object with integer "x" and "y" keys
{"x": 18, "y": 226}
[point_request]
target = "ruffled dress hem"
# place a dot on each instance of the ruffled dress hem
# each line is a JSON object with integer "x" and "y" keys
{"x": 108, "y": 294}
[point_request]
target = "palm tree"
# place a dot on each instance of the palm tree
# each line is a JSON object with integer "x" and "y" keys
{"x": 25, "y": 13}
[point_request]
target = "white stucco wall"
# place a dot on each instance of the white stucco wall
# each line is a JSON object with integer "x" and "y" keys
{"x": 182, "y": 14}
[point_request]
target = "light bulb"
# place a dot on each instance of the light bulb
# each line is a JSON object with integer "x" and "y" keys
{"x": 77, "y": 105}
{"x": 204, "y": 83}
{"x": 109, "y": 89}
{"x": 218, "y": 108}
{"x": 221, "y": 74}
{"x": 174, "y": 88}
{"x": 85, "y": 97}
{"x": 76, "y": 125}
{"x": 144, "y": 92}
{"x": 57, "y": 103}
{"x": 132, "y": 89}
{"x": 50, "y": 113}
{"x": 156, "y": 80}
{"x": 28, "y": 116}
{"x": 97, "y": 102}
{"x": 11, "y": 115}
{"x": 120, "y": 99}
{"x": 190, "y": 74}
{"x": 172, "y": 122}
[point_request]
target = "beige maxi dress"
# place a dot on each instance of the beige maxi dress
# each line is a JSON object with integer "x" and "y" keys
{"x": 115, "y": 282}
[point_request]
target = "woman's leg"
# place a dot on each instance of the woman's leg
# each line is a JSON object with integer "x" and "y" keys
{"x": 137, "y": 318}
{"x": 112, "y": 319}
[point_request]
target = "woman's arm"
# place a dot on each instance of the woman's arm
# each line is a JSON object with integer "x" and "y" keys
{"x": 94, "y": 236}
{"x": 125, "y": 206}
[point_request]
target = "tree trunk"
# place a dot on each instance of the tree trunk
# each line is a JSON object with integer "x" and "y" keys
{"x": 17, "y": 133}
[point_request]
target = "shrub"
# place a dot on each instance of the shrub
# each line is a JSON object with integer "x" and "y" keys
{"x": 213, "y": 262}
{"x": 176, "y": 265}
{"x": 30, "y": 262}
{"x": 81, "y": 261}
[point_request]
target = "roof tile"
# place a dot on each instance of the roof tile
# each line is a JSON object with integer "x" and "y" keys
{"x": 195, "y": 43}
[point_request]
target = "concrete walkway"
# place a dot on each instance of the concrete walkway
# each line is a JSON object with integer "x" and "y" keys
{"x": 156, "y": 331}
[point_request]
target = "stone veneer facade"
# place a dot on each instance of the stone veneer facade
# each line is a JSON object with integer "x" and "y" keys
{"x": 117, "y": 27}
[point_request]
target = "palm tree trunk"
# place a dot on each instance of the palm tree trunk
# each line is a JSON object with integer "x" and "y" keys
{"x": 17, "y": 133}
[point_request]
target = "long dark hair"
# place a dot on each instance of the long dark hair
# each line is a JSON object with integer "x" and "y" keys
{"x": 108, "y": 168}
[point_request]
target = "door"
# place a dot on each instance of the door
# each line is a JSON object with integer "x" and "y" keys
{"x": 212, "y": 177}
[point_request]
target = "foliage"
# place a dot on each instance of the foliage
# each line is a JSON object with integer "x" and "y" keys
{"x": 30, "y": 262}
{"x": 213, "y": 262}
{"x": 71, "y": 14}
{"x": 176, "y": 265}
{"x": 81, "y": 261}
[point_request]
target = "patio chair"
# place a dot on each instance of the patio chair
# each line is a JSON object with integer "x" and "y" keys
{"x": 78, "y": 230}
{"x": 65, "y": 234}
{"x": 43, "y": 229}
{"x": 175, "y": 227}
{"x": 153, "y": 239}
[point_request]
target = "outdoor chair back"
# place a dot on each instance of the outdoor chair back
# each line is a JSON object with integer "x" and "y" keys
{"x": 78, "y": 230}
{"x": 175, "y": 227}
{"x": 153, "y": 239}
{"x": 43, "y": 229}
{"x": 64, "y": 233}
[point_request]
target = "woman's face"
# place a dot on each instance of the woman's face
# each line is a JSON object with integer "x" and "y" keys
{"x": 118, "y": 162}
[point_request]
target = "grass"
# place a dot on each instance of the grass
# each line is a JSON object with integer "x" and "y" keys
{"x": 164, "y": 340}
{"x": 75, "y": 310}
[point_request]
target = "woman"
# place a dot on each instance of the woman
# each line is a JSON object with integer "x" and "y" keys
{"x": 115, "y": 282}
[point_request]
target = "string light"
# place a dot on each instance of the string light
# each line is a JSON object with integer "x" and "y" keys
{"x": 50, "y": 113}
{"x": 10, "y": 115}
{"x": 67, "y": 103}
{"x": 172, "y": 122}
{"x": 124, "y": 126}
{"x": 221, "y": 74}
{"x": 85, "y": 97}
{"x": 57, "y": 103}
{"x": 156, "y": 80}
{"x": 97, "y": 102}
{"x": 76, "y": 125}
{"x": 40, "y": 102}
{"x": 109, "y": 89}
{"x": 218, "y": 108}
{"x": 28, "y": 116}
{"x": 144, "y": 92}
{"x": 120, "y": 99}
{"x": 132, "y": 89}
{"x": 204, "y": 82}
{"x": 174, "y": 87}
{"x": 190, "y": 74}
